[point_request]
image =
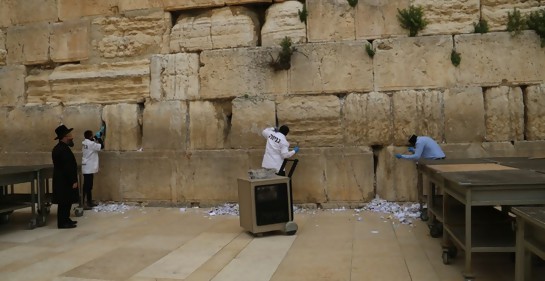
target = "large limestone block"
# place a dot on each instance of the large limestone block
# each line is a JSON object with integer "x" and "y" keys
{"x": 535, "y": 112}
{"x": 396, "y": 178}
{"x": 282, "y": 20}
{"x": 227, "y": 27}
{"x": 413, "y": 62}
{"x": 480, "y": 150}
{"x": 447, "y": 17}
{"x": 331, "y": 20}
{"x": 29, "y": 11}
{"x": 530, "y": 149}
{"x": 24, "y": 158}
{"x": 417, "y": 112}
{"x": 82, "y": 118}
{"x": 235, "y": 72}
{"x": 171, "y": 5}
{"x": 504, "y": 114}
{"x": 494, "y": 58}
{"x": 211, "y": 176}
{"x": 30, "y": 128}
{"x": 309, "y": 182}
{"x": 165, "y": 126}
{"x": 124, "y": 125}
{"x": 207, "y": 125}
{"x": 495, "y": 12}
{"x": 377, "y": 19}
{"x": 38, "y": 87}
{"x": 313, "y": 120}
{"x": 28, "y": 44}
{"x": 349, "y": 174}
{"x": 367, "y": 119}
{"x": 137, "y": 34}
{"x": 5, "y": 14}
{"x": 464, "y": 115}
{"x": 69, "y": 41}
{"x": 175, "y": 77}
{"x": 331, "y": 68}
{"x": 251, "y": 115}
{"x": 131, "y": 5}
{"x": 3, "y": 51}
{"x": 107, "y": 182}
{"x": 126, "y": 82}
{"x": 12, "y": 85}
{"x": 145, "y": 176}
{"x": 76, "y": 9}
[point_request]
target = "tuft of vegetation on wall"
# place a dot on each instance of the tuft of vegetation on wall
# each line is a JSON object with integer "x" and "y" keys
{"x": 536, "y": 22}
{"x": 412, "y": 19}
{"x": 303, "y": 14}
{"x": 283, "y": 61}
{"x": 515, "y": 22}
{"x": 370, "y": 50}
{"x": 352, "y": 3}
{"x": 481, "y": 26}
{"x": 455, "y": 58}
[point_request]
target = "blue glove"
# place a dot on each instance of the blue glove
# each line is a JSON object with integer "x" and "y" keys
{"x": 296, "y": 149}
{"x": 398, "y": 156}
{"x": 98, "y": 135}
{"x": 411, "y": 149}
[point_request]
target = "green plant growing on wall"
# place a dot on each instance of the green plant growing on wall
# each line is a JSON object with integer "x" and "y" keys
{"x": 283, "y": 61}
{"x": 515, "y": 22}
{"x": 455, "y": 58}
{"x": 370, "y": 50}
{"x": 481, "y": 26}
{"x": 536, "y": 22}
{"x": 303, "y": 14}
{"x": 352, "y": 3}
{"x": 412, "y": 19}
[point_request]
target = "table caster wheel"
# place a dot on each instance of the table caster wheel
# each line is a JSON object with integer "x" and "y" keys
{"x": 446, "y": 258}
{"x": 32, "y": 224}
{"x": 41, "y": 221}
{"x": 452, "y": 252}
{"x": 78, "y": 212}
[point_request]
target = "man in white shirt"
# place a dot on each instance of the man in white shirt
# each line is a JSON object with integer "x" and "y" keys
{"x": 277, "y": 148}
{"x": 423, "y": 147}
{"x": 89, "y": 165}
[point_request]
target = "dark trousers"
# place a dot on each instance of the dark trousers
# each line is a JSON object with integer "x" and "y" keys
{"x": 63, "y": 214}
{"x": 87, "y": 188}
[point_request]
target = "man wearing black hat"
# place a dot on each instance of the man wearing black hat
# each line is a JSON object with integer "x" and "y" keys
{"x": 423, "y": 147}
{"x": 65, "y": 176}
{"x": 277, "y": 148}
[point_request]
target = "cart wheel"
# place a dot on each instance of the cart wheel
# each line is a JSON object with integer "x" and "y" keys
{"x": 452, "y": 252}
{"x": 291, "y": 232}
{"x": 424, "y": 214}
{"x": 32, "y": 224}
{"x": 78, "y": 212}
{"x": 4, "y": 218}
{"x": 446, "y": 258}
{"x": 436, "y": 230}
{"x": 41, "y": 220}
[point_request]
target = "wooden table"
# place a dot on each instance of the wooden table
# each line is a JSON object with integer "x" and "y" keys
{"x": 530, "y": 239}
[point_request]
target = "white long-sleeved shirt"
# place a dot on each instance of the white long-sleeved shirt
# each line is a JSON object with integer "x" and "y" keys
{"x": 276, "y": 150}
{"x": 425, "y": 148}
{"x": 89, "y": 161}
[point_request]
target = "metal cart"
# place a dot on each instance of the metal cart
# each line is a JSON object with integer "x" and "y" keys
{"x": 530, "y": 239}
{"x": 11, "y": 201}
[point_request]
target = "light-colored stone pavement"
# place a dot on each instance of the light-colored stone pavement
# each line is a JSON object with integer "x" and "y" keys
{"x": 145, "y": 244}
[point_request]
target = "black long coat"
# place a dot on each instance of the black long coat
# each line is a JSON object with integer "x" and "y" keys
{"x": 65, "y": 174}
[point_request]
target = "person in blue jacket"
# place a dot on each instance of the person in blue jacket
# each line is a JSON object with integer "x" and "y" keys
{"x": 422, "y": 147}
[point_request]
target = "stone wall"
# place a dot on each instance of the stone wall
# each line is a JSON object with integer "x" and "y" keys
{"x": 186, "y": 87}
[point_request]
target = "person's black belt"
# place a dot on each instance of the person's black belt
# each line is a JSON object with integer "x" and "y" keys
{"x": 441, "y": 158}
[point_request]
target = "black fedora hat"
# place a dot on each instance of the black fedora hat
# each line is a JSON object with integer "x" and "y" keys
{"x": 62, "y": 131}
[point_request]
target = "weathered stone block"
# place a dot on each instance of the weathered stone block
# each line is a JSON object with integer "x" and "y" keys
{"x": 349, "y": 174}
{"x": 5, "y": 14}
{"x": 235, "y": 72}
{"x": 12, "y": 85}
{"x": 308, "y": 187}
{"x": 313, "y": 120}
{"x": 175, "y": 77}
{"x": 107, "y": 182}
{"x": 82, "y": 118}
{"x": 228, "y": 27}
{"x": 495, "y": 58}
{"x": 282, "y": 20}
{"x": 28, "y": 44}
{"x": 396, "y": 178}
{"x": 331, "y": 68}
{"x": 38, "y": 87}
{"x": 171, "y": 5}
{"x": 199, "y": 181}
{"x": 417, "y": 112}
{"x": 495, "y": 12}
{"x": 165, "y": 126}
{"x": 504, "y": 114}
{"x": 29, "y": 11}
{"x": 136, "y": 34}
{"x": 530, "y": 149}
{"x": 76, "y": 9}
{"x": 378, "y": 19}
{"x": 69, "y": 41}
{"x": 24, "y": 158}
{"x": 332, "y": 20}
{"x": 242, "y": 2}
{"x": 413, "y": 62}
{"x": 464, "y": 115}
{"x": 207, "y": 125}
{"x": 535, "y": 111}
{"x": 37, "y": 129}
{"x": 131, "y": 5}
{"x": 367, "y": 119}
{"x": 447, "y": 17}
{"x": 124, "y": 123}
{"x": 126, "y": 82}
{"x": 3, "y": 51}
{"x": 250, "y": 116}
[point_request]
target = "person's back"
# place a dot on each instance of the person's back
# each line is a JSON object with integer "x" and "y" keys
{"x": 424, "y": 147}
{"x": 276, "y": 149}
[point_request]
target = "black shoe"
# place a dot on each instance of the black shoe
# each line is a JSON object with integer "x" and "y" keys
{"x": 87, "y": 208}
{"x": 91, "y": 204}
{"x": 67, "y": 225}
{"x": 72, "y": 222}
